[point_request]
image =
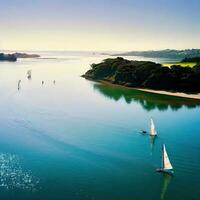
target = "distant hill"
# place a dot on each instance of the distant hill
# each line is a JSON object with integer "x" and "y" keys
{"x": 8, "y": 57}
{"x": 25, "y": 55}
{"x": 167, "y": 53}
{"x": 14, "y": 56}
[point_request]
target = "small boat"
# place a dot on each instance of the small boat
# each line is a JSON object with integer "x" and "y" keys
{"x": 153, "y": 131}
{"x": 143, "y": 131}
{"x": 166, "y": 166}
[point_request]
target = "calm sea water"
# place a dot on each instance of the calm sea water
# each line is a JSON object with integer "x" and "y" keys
{"x": 80, "y": 140}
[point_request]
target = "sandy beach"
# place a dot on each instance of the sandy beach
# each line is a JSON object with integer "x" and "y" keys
{"x": 176, "y": 94}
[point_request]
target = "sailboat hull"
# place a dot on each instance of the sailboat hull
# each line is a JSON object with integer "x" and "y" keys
{"x": 170, "y": 172}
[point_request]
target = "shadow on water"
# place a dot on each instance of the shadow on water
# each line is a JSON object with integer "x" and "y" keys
{"x": 165, "y": 184}
{"x": 148, "y": 101}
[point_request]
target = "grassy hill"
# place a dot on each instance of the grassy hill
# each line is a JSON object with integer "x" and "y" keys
{"x": 182, "y": 64}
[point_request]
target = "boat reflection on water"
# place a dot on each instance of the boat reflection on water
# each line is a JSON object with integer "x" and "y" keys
{"x": 165, "y": 184}
{"x": 148, "y": 101}
{"x": 152, "y": 142}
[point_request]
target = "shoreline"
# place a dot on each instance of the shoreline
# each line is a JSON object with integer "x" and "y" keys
{"x": 175, "y": 94}
{"x": 161, "y": 92}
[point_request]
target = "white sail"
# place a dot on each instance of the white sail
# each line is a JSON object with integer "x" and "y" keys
{"x": 153, "y": 131}
{"x": 166, "y": 162}
{"x": 29, "y": 72}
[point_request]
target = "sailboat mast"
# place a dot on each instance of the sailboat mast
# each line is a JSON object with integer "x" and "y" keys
{"x": 166, "y": 165}
{"x": 162, "y": 161}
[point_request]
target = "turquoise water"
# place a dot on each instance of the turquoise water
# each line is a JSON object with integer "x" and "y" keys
{"x": 78, "y": 139}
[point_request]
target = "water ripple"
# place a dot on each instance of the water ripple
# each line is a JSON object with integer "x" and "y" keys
{"x": 12, "y": 176}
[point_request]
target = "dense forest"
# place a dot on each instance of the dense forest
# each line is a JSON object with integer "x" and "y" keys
{"x": 192, "y": 59}
{"x": 145, "y": 74}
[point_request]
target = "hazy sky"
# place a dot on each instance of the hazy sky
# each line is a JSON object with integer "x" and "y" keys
{"x": 99, "y": 24}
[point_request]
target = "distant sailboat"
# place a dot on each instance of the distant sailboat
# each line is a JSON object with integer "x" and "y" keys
{"x": 153, "y": 131}
{"x": 166, "y": 165}
{"x": 19, "y": 85}
{"x": 29, "y": 74}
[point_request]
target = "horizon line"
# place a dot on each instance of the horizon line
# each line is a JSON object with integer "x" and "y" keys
{"x": 125, "y": 51}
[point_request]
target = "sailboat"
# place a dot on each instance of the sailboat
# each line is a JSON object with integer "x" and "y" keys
{"x": 29, "y": 74}
{"x": 166, "y": 165}
{"x": 153, "y": 131}
{"x": 19, "y": 85}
